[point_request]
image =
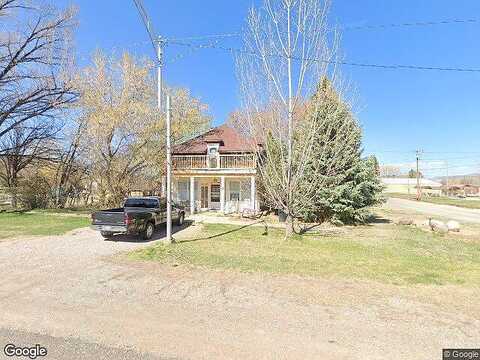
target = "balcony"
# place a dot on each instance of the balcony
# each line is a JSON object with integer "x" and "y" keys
{"x": 219, "y": 162}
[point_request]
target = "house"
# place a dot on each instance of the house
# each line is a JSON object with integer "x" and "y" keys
{"x": 409, "y": 186}
{"x": 215, "y": 171}
{"x": 463, "y": 190}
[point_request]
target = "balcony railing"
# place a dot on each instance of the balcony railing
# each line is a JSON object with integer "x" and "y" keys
{"x": 225, "y": 161}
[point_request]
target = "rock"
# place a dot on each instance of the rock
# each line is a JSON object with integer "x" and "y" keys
{"x": 438, "y": 226}
{"x": 453, "y": 226}
{"x": 405, "y": 221}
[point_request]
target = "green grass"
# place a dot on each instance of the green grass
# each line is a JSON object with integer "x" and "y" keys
{"x": 465, "y": 203}
{"x": 16, "y": 224}
{"x": 386, "y": 253}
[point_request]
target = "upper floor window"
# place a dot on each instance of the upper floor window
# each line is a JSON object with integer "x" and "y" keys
{"x": 213, "y": 155}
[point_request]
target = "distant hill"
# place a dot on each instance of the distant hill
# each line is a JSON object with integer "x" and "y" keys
{"x": 472, "y": 179}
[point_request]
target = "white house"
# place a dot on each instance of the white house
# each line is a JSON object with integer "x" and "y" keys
{"x": 215, "y": 171}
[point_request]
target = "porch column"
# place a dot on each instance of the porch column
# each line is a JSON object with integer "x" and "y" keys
{"x": 253, "y": 192}
{"x": 192, "y": 194}
{"x": 222, "y": 194}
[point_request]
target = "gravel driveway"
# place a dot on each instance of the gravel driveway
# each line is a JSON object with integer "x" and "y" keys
{"x": 445, "y": 211}
{"x": 76, "y": 292}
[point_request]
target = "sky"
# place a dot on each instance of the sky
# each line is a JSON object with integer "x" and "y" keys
{"x": 400, "y": 110}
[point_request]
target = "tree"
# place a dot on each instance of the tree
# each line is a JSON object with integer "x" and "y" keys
{"x": 412, "y": 174}
{"x": 33, "y": 59}
{"x": 124, "y": 136}
{"x": 288, "y": 48}
{"x": 34, "y": 89}
{"x": 334, "y": 182}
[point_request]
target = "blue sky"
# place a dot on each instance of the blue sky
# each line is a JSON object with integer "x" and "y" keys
{"x": 401, "y": 110}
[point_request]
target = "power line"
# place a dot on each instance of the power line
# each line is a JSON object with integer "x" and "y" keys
{"x": 346, "y": 63}
{"x": 346, "y": 28}
{"x": 411, "y": 24}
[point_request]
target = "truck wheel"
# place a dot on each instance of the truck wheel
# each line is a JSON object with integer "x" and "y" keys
{"x": 148, "y": 233}
{"x": 106, "y": 234}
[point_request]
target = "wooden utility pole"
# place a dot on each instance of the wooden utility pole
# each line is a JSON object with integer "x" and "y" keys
{"x": 419, "y": 188}
{"x": 446, "y": 163}
{"x": 158, "y": 43}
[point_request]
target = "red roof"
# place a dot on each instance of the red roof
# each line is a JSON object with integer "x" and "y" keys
{"x": 230, "y": 140}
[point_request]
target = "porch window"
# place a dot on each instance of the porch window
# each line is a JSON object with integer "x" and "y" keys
{"x": 183, "y": 191}
{"x": 234, "y": 190}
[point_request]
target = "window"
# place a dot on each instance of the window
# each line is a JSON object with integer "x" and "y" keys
{"x": 215, "y": 193}
{"x": 183, "y": 191}
{"x": 142, "y": 203}
{"x": 234, "y": 190}
{"x": 212, "y": 150}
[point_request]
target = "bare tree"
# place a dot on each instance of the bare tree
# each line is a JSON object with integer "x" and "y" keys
{"x": 27, "y": 145}
{"x": 35, "y": 52}
{"x": 288, "y": 50}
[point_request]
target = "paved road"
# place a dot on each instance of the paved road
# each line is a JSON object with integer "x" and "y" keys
{"x": 87, "y": 300}
{"x": 444, "y": 211}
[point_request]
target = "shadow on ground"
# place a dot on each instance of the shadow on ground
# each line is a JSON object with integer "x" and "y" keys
{"x": 160, "y": 233}
{"x": 228, "y": 232}
{"x": 377, "y": 219}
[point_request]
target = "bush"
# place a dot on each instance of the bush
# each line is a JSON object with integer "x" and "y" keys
{"x": 34, "y": 192}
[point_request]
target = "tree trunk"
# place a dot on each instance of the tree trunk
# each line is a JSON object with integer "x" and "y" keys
{"x": 289, "y": 230}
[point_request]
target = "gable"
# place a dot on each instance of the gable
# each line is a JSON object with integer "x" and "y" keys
{"x": 229, "y": 140}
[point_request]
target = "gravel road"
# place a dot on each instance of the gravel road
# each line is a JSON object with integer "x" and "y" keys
{"x": 76, "y": 294}
{"x": 445, "y": 211}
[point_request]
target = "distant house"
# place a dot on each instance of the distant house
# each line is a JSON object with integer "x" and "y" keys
{"x": 461, "y": 190}
{"x": 409, "y": 186}
{"x": 215, "y": 171}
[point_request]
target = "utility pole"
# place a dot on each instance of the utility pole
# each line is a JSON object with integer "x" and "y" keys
{"x": 159, "y": 73}
{"x": 419, "y": 189}
{"x": 158, "y": 43}
{"x": 447, "y": 182}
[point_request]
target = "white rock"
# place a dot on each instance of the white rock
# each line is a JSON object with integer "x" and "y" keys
{"x": 438, "y": 226}
{"x": 453, "y": 225}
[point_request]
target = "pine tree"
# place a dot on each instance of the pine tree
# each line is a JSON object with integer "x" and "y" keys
{"x": 339, "y": 185}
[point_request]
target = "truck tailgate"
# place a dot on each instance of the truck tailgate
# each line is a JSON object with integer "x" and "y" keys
{"x": 115, "y": 217}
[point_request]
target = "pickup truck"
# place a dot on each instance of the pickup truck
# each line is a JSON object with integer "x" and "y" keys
{"x": 138, "y": 216}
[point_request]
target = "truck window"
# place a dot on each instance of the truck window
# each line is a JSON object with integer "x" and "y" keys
{"x": 142, "y": 203}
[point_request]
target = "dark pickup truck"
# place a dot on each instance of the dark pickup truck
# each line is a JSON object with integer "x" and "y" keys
{"x": 138, "y": 216}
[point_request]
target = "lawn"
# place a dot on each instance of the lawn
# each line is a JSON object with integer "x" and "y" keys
{"x": 15, "y": 224}
{"x": 384, "y": 252}
{"x": 465, "y": 203}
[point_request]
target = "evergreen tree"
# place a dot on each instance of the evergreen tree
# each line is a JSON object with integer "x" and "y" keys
{"x": 339, "y": 185}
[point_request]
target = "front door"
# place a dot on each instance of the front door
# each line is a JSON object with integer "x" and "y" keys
{"x": 204, "y": 196}
{"x": 215, "y": 196}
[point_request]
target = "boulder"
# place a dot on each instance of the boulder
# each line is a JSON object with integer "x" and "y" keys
{"x": 453, "y": 226}
{"x": 438, "y": 226}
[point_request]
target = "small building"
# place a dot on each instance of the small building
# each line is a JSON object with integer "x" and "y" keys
{"x": 463, "y": 190}
{"x": 409, "y": 186}
{"x": 215, "y": 171}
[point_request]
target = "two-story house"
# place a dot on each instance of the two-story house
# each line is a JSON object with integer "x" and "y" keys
{"x": 215, "y": 171}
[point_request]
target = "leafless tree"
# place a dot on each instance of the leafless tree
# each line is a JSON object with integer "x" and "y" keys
{"x": 27, "y": 145}
{"x": 35, "y": 53}
{"x": 288, "y": 50}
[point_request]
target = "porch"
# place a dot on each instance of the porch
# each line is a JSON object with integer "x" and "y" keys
{"x": 224, "y": 193}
